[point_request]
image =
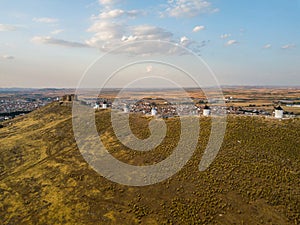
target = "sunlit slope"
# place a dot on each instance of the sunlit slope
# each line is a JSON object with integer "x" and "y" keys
{"x": 45, "y": 180}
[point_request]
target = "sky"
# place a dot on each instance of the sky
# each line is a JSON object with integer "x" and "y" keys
{"x": 53, "y": 43}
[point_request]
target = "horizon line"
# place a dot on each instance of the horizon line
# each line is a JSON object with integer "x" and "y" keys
{"x": 153, "y": 88}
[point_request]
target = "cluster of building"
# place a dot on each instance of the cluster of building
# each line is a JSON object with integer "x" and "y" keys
{"x": 170, "y": 110}
{"x": 14, "y": 106}
{"x": 164, "y": 110}
{"x": 247, "y": 111}
{"x": 278, "y": 112}
{"x": 11, "y": 107}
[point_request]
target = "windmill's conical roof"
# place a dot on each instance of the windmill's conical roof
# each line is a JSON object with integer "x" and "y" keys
{"x": 278, "y": 108}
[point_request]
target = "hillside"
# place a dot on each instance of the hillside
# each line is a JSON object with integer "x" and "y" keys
{"x": 45, "y": 180}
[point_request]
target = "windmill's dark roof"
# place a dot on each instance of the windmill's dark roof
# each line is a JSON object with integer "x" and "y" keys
{"x": 278, "y": 108}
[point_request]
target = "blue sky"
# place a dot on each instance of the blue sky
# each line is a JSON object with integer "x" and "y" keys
{"x": 51, "y": 43}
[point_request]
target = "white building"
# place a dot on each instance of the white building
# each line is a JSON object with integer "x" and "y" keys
{"x": 278, "y": 112}
{"x": 206, "y": 111}
{"x": 153, "y": 112}
{"x": 104, "y": 105}
{"x": 126, "y": 109}
{"x": 96, "y": 106}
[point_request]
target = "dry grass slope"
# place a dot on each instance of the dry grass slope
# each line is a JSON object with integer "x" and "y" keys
{"x": 45, "y": 180}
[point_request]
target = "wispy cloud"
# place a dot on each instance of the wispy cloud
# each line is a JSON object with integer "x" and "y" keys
{"x": 115, "y": 13}
{"x": 215, "y": 10}
{"x": 7, "y": 27}
{"x": 231, "y": 42}
{"x": 188, "y": 8}
{"x": 57, "y": 31}
{"x": 147, "y": 32}
{"x": 45, "y": 20}
{"x": 149, "y": 68}
{"x": 105, "y": 31}
{"x": 183, "y": 39}
{"x": 108, "y": 2}
{"x": 198, "y": 28}
{"x": 225, "y": 36}
{"x": 60, "y": 42}
{"x": 111, "y": 14}
{"x": 267, "y": 46}
{"x": 7, "y": 57}
{"x": 186, "y": 42}
{"x": 288, "y": 46}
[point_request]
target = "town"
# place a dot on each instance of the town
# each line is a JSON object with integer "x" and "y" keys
{"x": 18, "y": 103}
{"x": 163, "y": 108}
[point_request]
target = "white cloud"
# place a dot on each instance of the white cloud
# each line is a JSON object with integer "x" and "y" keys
{"x": 187, "y": 8}
{"x": 112, "y": 14}
{"x": 7, "y": 57}
{"x": 109, "y": 35}
{"x": 198, "y": 28}
{"x": 115, "y": 13}
{"x": 149, "y": 68}
{"x": 111, "y": 31}
{"x": 116, "y": 32}
{"x": 45, "y": 20}
{"x": 288, "y": 46}
{"x": 129, "y": 38}
{"x": 225, "y": 36}
{"x": 57, "y": 31}
{"x": 7, "y": 27}
{"x": 215, "y": 10}
{"x": 231, "y": 42}
{"x": 146, "y": 32}
{"x": 60, "y": 42}
{"x": 134, "y": 13}
{"x": 105, "y": 31}
{"x": 183, "y": 39}
{"x": 266, "y": 46}
{"x": 108, "y": 2}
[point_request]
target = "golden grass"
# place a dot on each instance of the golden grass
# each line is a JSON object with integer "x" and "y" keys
{"x": 45, "y": 180}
